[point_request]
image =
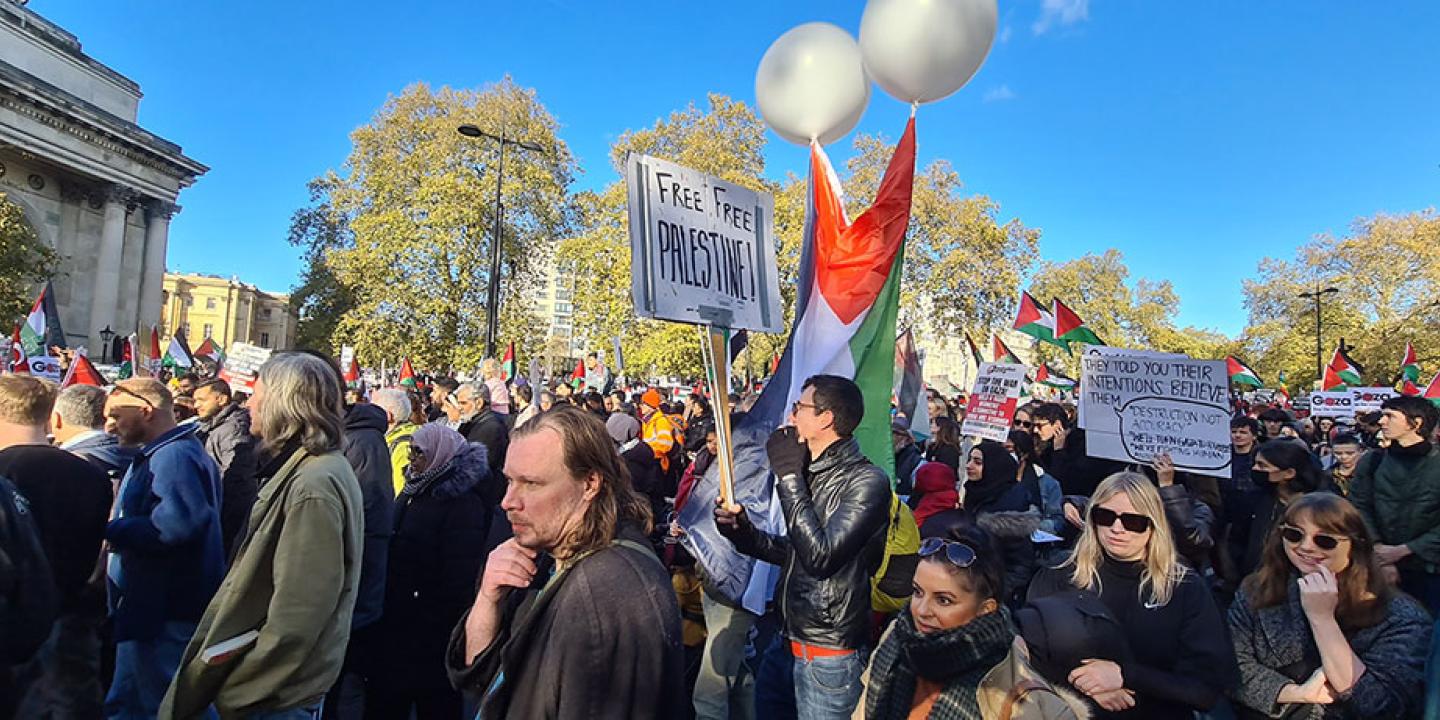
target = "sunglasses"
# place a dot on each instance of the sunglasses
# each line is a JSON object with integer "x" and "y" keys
{"x": 1133, "y": 522}
{"x": 795, "y": 407}
{"x": 1024, "y": 424}
{"x": 1295, "y": 536}
{"x": 122, "y": 390}
{"x": 959, "y": 554}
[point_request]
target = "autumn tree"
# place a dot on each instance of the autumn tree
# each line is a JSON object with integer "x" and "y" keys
{"x": 412, "y": 217}
{"x": 1387, "y": 273}
{"x": 25, "y": 261}
{"x": 320, "y": 300}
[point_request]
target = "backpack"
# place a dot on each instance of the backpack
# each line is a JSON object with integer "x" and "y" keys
{"x": 890, "y": 588}
{"x": 28, "y": 598}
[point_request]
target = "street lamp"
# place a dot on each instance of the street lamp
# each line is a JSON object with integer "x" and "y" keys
{"x": 1316, "y": 295}
{"x": 492, "y": 294}
{"x": 106, "y": 336}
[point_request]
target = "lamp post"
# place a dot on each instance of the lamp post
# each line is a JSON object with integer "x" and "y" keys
{"x": 1316, "y": 295}
{"x": 106, "y": 336}
{"x": 492, "y": 293}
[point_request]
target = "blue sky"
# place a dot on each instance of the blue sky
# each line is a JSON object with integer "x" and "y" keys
{"x": 1197, "y": 138}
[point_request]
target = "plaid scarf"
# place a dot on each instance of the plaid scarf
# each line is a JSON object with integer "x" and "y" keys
{"x": 958, "y": 658}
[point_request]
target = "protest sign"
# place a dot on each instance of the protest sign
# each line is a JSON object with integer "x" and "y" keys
{"x": 702, "y": 250}
{"x": 1338, "y": 403}
{"x": 992, "y": 403}
{"x": 44, "y": 366}
{"x": 242, "y": 364}
{"x": 1139, "y": 405}
{"x": 1369, "y": 399}
{"x": 1080, "y": 420}
{"x": 1300, "y": 402}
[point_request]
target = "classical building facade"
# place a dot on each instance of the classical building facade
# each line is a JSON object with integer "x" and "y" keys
{"x": 226, "y": 311}
{"x": 95, "y": 185}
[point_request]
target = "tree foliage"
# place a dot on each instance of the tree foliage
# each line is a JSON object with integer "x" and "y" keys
{"x": 320, "y": 300}
{"x": 1387, "y": 272}
{"x": 405, "y": 231}
{"x": 25, "y": 261}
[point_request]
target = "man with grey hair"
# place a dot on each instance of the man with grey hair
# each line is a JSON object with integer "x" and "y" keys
{"x": 480, "y": 424}
{"x": 396, "y": 404}
{"x": 78, "y": 424}
{"x": 292, "y": 589}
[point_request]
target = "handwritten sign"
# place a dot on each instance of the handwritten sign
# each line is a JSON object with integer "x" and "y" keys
{"x": 992, "y": 402}
{"x": 702, "y": 250}
{"x": 242, "y": 365}
{"x": 1138, "y": 405}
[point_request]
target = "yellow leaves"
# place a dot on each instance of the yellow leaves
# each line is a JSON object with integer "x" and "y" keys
{"x": 24, "y": 260}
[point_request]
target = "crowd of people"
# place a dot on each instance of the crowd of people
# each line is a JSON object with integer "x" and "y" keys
{"x": 488, "y": 548}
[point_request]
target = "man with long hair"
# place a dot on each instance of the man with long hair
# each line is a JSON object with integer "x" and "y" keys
{"x": 575, "y": 616}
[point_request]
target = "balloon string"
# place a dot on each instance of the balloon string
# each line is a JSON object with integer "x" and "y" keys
{"x": 913, "y": 107}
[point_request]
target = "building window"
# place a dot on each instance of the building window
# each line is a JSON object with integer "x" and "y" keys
{"x": 562, "y": 308}
{"x": 266, "y": 313}
{"x": 208, "y": 329}
{"x": 264, "y": 339}
{"x": 562, "y": 294}
{"x": 209, "y": 303}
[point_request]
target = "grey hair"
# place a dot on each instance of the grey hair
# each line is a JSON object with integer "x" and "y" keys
{"x": 303, "y": 400}
{"x": 82, "y": 406}
{"x": 481, "y": 393}
{"x": 394, "y": 401}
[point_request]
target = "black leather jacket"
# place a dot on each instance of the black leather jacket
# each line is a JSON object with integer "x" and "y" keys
{"x": 836, "y": 518}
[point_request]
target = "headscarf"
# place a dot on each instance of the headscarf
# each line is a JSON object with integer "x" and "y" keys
{"x": 997, "y": 477}
{"x": 622, "y": 428}
{"x": 439, "y": 444}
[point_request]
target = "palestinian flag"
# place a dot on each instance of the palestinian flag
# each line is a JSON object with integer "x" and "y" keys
{"x": 974, "y": 351}
{"x": 177, "y": 356}
{"x": 1000, "y": 352}
{"x": 1070, "y": 328}
{"x": 41, "y": 329}
{"x": 19, "y": 361}
{"x": 1342, "y": 372}
{"x": 1432, "y": 391}
{"x": 82, "y": 372}
{"x": 127, "y": 359}
{"x": 1034, "y": 320}
{"x": 1054, "y": 378}
{"x": 209, "y": 351}
{"x": 352, "y": 373}
{"x": 153, "y": 360}
{"x": 507, "y": 363}
{"x": 910, "y": 385}
{"x": 1409, "y": 366}
{"x": 577, "y": 378}
{"x": 1241, "y": 374}
{"x": 407, "y": 374}
{"x": 1409, "y": 389}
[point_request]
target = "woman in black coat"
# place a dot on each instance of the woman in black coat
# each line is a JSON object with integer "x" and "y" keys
{"x": 439, "y": 546}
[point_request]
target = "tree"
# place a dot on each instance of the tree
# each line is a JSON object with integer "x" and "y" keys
{"x": 320, "y": 300}
{"x": 416, "y": 210}
{"x": 25, "y": 261}
{"x": 1387, "y": 271}
{"x": 1124, "y": 314}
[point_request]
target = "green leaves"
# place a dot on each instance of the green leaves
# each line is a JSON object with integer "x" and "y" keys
{"x": 25, "y": 261}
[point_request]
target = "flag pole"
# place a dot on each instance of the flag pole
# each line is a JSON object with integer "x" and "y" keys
{"x": 713, "y": 346}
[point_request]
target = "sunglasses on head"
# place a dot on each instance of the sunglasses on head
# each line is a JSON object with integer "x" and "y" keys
{"x": 1295, "y": 536}
{"x": 122, "y": 390}
{"x": 1134, "y": 522}
{"x": 959, "y": 554}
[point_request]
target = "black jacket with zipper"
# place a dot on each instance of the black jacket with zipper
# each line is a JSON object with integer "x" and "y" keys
{"x": 836, "y": 517}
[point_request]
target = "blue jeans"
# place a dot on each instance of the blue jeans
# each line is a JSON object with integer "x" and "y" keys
{"x": 143, "y": 671}
{"x": 827, "y": 688}
{"x": 774, "y": 689}
{"x": 1432, "y": 678}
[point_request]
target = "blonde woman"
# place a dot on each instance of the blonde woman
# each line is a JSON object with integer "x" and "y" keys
{"x": 499, "y": 391}
{"x": 1177, "y": 658}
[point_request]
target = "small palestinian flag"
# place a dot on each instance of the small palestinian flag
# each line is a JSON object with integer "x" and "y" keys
{"x": 1001, "y": 352}
{"x": 507, "y": 363}
{"x": 19, "y": 361}
{"x": 974, "y": 351}
{"x": 82, "y": 372}
{"x": 407, "y": 374}
{"x": 1342, "y": 372}
{"x": 352, "y": 373}
{"x": 1409, "y": 389}
{"x": 153, "y": 360}
{"x": 1070, "y": 328}
{"x": 1432, "y": 391}
{"x": 577, "y": 378}
{"x": 1241, "y": 374}
{"x": 1053, "y": 378}
{"x": 1409, "y": 366}
{"x": 127, "y": 359}
{"x": 1034, "y": 320}
{"x": 177, "y": 356}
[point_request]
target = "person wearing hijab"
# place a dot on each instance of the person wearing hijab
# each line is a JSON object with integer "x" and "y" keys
{"x": 441, "y": 539}
{"x": 1002, "y": 506}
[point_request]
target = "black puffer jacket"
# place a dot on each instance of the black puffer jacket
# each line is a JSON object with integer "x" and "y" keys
{"x": 836, "y": 517}
{"x": 364, "y": 447}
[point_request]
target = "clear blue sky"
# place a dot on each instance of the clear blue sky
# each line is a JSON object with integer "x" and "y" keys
{"x": 1195, "y": 137}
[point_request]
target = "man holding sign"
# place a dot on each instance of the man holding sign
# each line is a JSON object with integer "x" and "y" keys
{"x": 836, "y": 506}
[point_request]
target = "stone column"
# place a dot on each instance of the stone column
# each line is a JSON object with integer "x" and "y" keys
{"x": 152, "y": 273}
{"x": 106, "y": 300}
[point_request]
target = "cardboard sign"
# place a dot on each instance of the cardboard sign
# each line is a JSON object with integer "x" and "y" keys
{"x": 1369, "y": 399}
{"x": 1138, "y": 405}
{"x": 702, "y": 250}
{"x": 1337, "y": 403}
{"x": 242, "y": 365}
{"x": 992, "y": 403}
{"x": 44, "y": 366}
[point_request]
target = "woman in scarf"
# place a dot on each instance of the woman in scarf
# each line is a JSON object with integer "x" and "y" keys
{"x": 440, "y": 543}
{"x": 953, "y": 653}
{"x": 995, "y": 500}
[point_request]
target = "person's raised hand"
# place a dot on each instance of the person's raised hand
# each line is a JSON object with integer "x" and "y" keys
{"x": 1164, "y": 469}
{"x": 510, "y": 565}
{"x": 1072, "y": 515}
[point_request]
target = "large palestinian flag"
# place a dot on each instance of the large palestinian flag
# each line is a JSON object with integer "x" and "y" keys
{"x": 1409, "y": 365}
{"x": 1001, "y": 353}
{"x": 1432, "y": 391}
{"x": 1241, "y": 374}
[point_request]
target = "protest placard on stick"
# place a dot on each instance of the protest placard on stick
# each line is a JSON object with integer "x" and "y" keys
{"x": 991, "y": 407}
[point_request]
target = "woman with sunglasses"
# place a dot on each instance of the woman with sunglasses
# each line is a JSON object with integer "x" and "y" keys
{"x": 1179, "y": 660}
{"x": 953, "y": 652}
{"x": 1318, "y": 632}
{"x": 1283, "y": 471}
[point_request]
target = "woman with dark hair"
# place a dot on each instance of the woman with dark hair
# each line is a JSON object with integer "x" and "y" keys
{"x": 1284, "y": 470}
{"x": 945, "y": 446}
{"x": 1317, "y": 630}
{"x": 953, "y": 652}
{"x": 993, "y": 498}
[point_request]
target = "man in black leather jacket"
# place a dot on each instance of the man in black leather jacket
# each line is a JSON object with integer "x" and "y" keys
{"x": 836, "y": 505}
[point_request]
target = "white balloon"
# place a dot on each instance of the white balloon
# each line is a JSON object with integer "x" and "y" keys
{"x": 921, "y": 51}
{"x": 811, "y": 84}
